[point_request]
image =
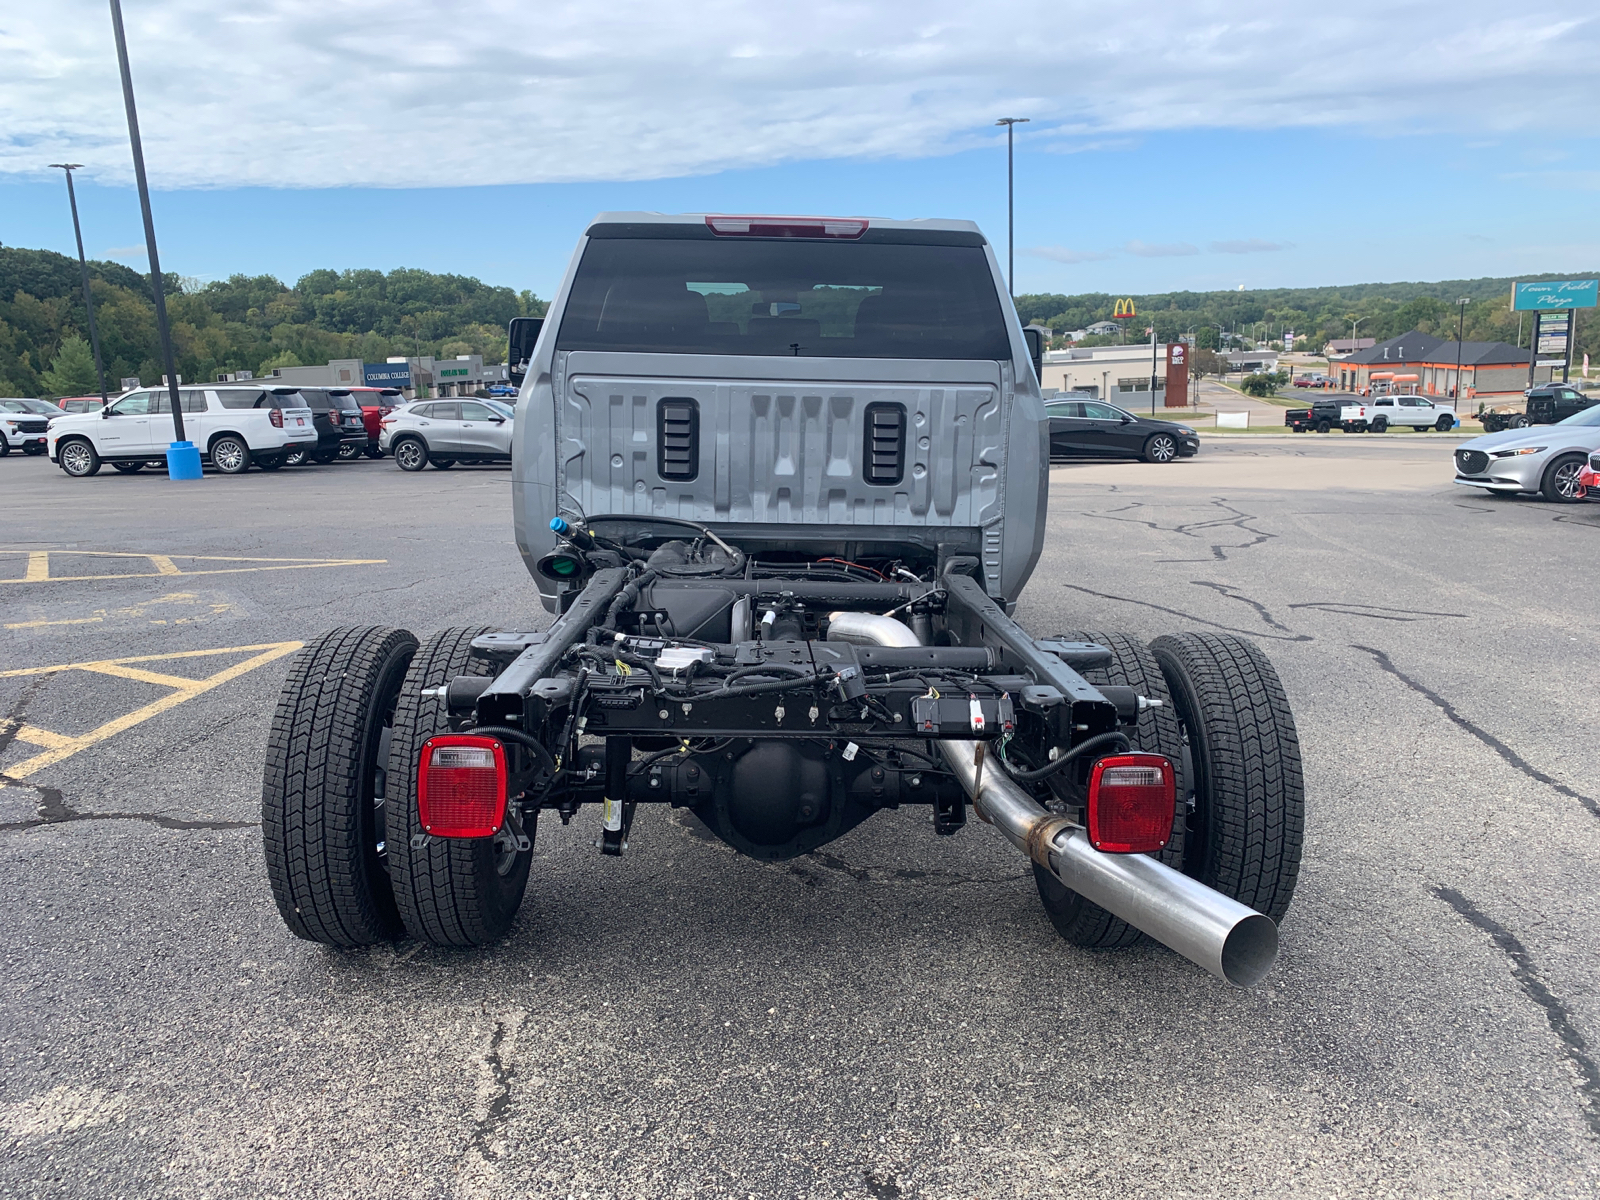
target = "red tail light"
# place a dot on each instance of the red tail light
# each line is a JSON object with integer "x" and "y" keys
{"x": 461, "y": 786}
{"x": 276, "y": 417}
{"x": 1131, "y": 803}
{"x": 801, "y": 227}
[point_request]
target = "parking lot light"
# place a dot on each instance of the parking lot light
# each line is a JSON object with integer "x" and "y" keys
{"x": 1011, "y": 209}
{"x": 83, "y": 266}
{"x": 183, "y": 457}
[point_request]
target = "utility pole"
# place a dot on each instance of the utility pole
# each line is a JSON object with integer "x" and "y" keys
{"x": 1461, "y": 324}
{"x": 183, "y": 459}
{"x": 83, "y": 265}
{"x": 1011, "y": 208}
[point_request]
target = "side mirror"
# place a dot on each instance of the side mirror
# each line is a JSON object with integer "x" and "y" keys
{"x": 104, "y": 412}
{"x": 1034, "y": 336}
{"x": 1127, "y": 420}
{"x": 523, "y": 335}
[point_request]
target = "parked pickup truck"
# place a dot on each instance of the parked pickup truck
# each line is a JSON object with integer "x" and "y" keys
{"x": 232, "y": 426}
{"x": 1325, "y": 415}
{"x": 817, "y": 633}
{"x": 1414, "y": 412}
{"x": 1545, "y": 405}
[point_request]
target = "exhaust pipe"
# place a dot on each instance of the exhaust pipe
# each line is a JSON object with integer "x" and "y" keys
{"x": 1232, "y": 941}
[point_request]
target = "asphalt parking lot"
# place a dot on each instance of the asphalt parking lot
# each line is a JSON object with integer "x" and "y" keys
{"x": 891, "y": 1017}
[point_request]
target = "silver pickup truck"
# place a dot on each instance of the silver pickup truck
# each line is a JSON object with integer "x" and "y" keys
{"x": 781, "y": 481}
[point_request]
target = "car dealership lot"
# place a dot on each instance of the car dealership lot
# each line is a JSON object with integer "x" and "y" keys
{"x": 1432, "y": 1028}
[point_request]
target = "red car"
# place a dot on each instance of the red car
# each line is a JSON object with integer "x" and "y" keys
{"x": 376, "y": 403}
{"x": 1589, "y": 478}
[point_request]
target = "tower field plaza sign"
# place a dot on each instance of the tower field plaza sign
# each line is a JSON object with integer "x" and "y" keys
{"x": 1554, "y": 293}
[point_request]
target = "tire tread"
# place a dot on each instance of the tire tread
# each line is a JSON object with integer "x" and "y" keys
{"x": 311, "y": 789}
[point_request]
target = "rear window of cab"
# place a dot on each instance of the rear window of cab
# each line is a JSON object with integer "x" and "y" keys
{"x": 810, "y": 298}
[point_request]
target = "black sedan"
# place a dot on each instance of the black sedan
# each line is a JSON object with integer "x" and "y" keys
{"x": 1095, "y": 429}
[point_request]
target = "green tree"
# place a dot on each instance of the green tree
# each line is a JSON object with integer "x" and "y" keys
{"x": 72, "y": 371}
{"x": 1258, "y": 384}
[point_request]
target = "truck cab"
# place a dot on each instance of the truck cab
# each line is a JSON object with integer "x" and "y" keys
{"x": 828, "y": 386}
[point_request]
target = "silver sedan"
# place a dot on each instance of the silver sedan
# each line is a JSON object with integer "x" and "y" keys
{"x": 1542, "y": 459}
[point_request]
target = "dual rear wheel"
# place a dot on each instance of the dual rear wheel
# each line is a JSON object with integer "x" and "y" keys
{"x": 346, "y": 856}
{"x": 1240, "y": 817}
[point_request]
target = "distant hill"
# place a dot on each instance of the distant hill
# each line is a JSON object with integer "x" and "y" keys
{"x": 1384, "y": 310}
{"x": 252, "y": 323}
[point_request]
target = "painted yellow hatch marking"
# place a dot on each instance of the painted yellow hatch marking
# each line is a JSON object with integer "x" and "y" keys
{"x": 58, "y": 746}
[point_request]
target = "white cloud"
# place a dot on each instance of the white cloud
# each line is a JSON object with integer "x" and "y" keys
{"x": 426, "y": 92}
{"x": 1064, "y": 255}
{"x": 1169, "y": 250}
{"x": 127, "y": 252}
{"x": 1247, "y": 246}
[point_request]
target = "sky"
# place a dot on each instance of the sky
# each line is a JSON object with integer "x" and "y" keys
{"x": 1170, "y": 145}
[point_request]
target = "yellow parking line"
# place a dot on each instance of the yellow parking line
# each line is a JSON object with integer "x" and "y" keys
{"x": 165, "y": 565}
{"x": 42, "y": 624}
{"x": 139, "y": 658}
{"x": 35, "y": 736}
{"x": 134, "y": 673}
{"x": 60, "y": 746}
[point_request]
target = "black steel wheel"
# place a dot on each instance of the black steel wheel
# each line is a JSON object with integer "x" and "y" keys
{"x": 1160, "y": 448}
{"x": 230, "y": 455}
{"x": 127, "y": 468}
{"x": 1246, "y": 797}
{"x": 323, "y": 793}
{"x": 1380, "y": 425}
{"x": 1560, "y": 482}
{"x": 410, "y": 454}
{"x": 77, "y": 458}
{"x": 1324, "y": 426}
{"x": 1444, "y": 424}
{"x": 1080, "y": 921}
{"x": 269, "y": 462}
{"x": 450, "y": 891}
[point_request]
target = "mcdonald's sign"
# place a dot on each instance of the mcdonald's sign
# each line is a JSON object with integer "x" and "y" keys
{"x": 1123, "y": 310}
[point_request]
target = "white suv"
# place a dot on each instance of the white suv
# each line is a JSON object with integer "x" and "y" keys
{"x": 232, "y": 426}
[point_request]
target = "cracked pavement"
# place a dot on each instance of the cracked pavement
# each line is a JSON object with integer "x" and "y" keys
{"x": 891, "y": 1016}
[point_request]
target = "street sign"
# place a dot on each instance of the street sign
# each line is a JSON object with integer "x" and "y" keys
{"x": 1555, "y": 293}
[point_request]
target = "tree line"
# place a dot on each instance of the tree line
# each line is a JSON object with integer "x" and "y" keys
{"x": 1377, "y": 310}
{"x": 251, "y": 323}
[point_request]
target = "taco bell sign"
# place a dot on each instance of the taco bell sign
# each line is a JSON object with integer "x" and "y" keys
{"x": 1177, "y": 375}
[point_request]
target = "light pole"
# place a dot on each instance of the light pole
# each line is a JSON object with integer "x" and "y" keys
{"x": 1011, "y": 210}
{"x": 83, "y": 265}
{"x": 1152, "y": 366}
{"x": 1461, "y": 324}
{"x": 183, "y": 459}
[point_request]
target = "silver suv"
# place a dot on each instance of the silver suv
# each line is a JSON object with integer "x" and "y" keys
{"x": 445, "y": 432}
